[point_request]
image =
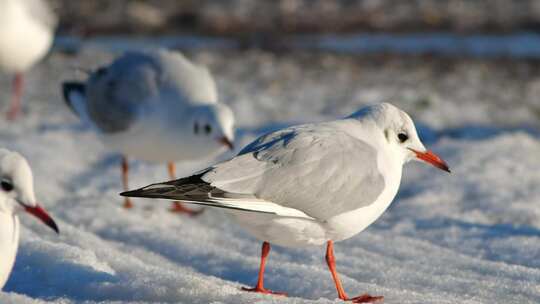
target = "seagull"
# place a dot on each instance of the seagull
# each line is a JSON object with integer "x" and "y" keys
{"x": 26, "y": 34}
{"x": 16, "y": 196}
{"x": 156, "y": 106}
{"x": 310, "y": 184}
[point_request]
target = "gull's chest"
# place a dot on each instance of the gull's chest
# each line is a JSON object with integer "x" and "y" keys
{"x": 346, "y": 225}
{"x": 9, "y": 240}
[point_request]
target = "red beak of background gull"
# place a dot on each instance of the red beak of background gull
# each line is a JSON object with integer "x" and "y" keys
{"x": 432, "y": 158}
{"x": 41, "y": 214}
{"x": 225, "y": 141}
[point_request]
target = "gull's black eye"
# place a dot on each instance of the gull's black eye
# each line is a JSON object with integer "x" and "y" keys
{"x": 403, "y": 137}
{"x": 6, "y": 185}
{"x": 207, "y": 129}
{"x": 196, "y": 128}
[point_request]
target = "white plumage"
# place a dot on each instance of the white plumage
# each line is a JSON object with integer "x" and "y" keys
{"x": 310, "y": 184}
{"x": 26, "y": 34}
{"x": 149, "y": 104}
{"x": 16, "y": 195}
{"x": 156, "y": 106}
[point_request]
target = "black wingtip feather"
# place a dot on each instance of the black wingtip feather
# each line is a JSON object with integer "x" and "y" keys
{"x": 69, "y": 87}
{"x": 160, "y": 190}
{"x": 140, "y": 193}
{"x": 131, "y": 193}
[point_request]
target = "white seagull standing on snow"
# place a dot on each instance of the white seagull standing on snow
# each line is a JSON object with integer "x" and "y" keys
{"x": 16, "y": 195}
{"x": 310, "y": 184}
{"x": 155, "y": 106}
{"x": 26, "y": 34}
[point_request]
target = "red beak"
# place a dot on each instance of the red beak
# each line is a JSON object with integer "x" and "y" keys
{"x": 432, "y": 158}
{"x": 225, "y": 141}
{"x": 41, "y": 214}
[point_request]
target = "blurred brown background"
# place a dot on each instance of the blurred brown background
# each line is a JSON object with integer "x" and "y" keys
{"x": 449, "y": 63}
{"x": 237, "y": 17}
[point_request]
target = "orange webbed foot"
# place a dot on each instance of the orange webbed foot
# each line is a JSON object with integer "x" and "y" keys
{"x": 366, "y": 298}
{"x": 127, "y": 204}
{"x": 178, "y": 207}
{"x": 264, "y": 291}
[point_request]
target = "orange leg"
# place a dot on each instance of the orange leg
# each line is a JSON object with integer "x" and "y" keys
{"x": 15, "y": 106}
{"x": 260, "y": 282}
{"x": 178, "y": 207}
{"x": 331, "y": 261}
{"x": 125, "y": 170}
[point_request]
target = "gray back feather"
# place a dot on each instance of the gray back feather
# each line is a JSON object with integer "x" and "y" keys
{"x": 323, "y": 172}
{"x": 118, "y": 93}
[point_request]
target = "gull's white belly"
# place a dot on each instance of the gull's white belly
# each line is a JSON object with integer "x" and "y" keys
{"x": 9, "y": 241}
{"x": 283, "y": 231}
{"x": 151, "y": 141}
{"x": 299, "y": 232}
{"x": 22, "y": 42}
{"x": 148, "y": 148}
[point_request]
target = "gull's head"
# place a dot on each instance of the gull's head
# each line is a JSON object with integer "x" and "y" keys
{"x": 213, "y": 124}
{"x": 399, "y": 134}
{"x": 17, "y": 188}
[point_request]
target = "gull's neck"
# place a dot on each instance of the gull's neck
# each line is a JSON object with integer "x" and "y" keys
{"x": 9, "y": 241}
{"x": 389, "y": 160}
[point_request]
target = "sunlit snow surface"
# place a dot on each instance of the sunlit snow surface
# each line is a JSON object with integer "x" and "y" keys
{"x": 469, "y": 237}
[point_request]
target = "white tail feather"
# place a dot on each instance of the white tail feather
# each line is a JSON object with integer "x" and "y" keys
{"x": 251, "y": 205}
{"x": 259, "y": 206}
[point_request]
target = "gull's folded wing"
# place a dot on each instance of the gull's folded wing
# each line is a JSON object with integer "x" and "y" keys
{"x": 196, "y": 191}
{"x": 317, "y": 168}
{"x": 315, "y": 171}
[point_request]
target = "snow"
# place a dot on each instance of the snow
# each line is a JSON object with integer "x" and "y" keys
{"x": 469, "y": 237}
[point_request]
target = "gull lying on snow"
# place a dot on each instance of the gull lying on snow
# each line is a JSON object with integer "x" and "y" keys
{"x": 16, "y": 195}
{"x": 309, "y": 184}
{"x": 154, "y": 106}
{"x": 26, "y": 34}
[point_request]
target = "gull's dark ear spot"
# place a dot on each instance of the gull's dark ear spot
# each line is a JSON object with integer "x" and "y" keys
{"x": 387, "y": 135}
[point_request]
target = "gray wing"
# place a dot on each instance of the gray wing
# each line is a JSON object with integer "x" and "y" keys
{"x": 42, "y": 13}
{"x": 317, "y": 169}
{"x": 194, "y": 190}
{"x": 118, "y": 93}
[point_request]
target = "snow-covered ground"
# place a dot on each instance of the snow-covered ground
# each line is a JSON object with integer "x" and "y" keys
{"x": 469, "y": 237}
